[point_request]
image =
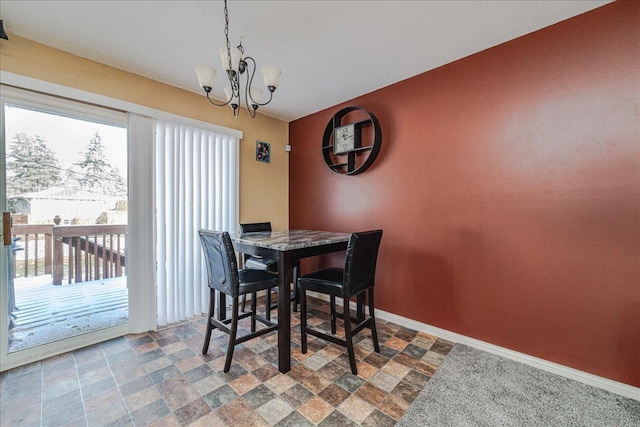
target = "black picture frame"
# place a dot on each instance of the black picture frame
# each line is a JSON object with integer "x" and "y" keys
{"x": 263, "y": 151}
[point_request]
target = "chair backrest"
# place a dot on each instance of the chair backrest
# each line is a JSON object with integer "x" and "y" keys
{"x": 254, "y": 227}
{"x": 220, "y": 258}
{"x": 360, "y": 263}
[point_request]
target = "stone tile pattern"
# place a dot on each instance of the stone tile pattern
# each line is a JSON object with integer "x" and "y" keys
{"x": 290, "y": 239}
{"x": 162, "y": 379}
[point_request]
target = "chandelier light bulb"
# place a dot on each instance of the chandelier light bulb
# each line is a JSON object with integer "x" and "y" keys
{"x": 236, "y": 55}
{"x": 232, "y": 98}
{"x": 255, "y": 97}
{"x": 271, "y": 75}
{"x": 206, "y": 76}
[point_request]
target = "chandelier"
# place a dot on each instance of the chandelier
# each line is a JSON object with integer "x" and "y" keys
{"x": 236, "y": 64}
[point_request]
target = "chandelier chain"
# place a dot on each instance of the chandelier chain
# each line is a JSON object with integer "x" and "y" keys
{"x": 226, "y": 33}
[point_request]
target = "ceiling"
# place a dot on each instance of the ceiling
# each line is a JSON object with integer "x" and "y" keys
{"x": 329, "y": 51}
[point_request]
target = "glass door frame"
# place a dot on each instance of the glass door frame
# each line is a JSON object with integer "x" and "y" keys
{"x": 75, "y": 109}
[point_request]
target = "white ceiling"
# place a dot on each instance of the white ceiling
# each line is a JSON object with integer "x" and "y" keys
{"x": 329, "y": 51}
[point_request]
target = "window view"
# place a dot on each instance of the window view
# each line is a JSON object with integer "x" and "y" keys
{"x": 66, "y": 190}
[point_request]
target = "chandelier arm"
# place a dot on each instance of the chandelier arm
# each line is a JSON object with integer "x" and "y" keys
{"x": 247, "y": 95}
{"x": 217, "y": 105}
{"x": 270, "y": 98}
{"x": 250, "y": 75}
{"x": 251, "y": 112}
{"x": 251, "y": 81}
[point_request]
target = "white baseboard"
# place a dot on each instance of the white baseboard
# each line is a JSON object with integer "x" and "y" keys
{"x": 616, "y": 387}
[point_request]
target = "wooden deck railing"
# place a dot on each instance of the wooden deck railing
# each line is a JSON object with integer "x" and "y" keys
{"x": 76, "y": 253}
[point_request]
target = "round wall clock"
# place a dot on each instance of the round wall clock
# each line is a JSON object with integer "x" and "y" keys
{"x": 351, "y": 141}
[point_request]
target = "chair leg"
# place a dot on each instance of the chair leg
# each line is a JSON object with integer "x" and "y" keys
{"x": 254, "y": 307}
{"x": 332, "y": 308}
{"x": 268, "y": 308}
{"x": 303, "y": 321}
{"x": 207, "y": 335}
{"x": 244, "y": 302}
{"x": 222, "y": 306}
{"x": 348, "y": 337}
{"x": 374, "y": 331}
{"x": 296, "y": 296}
{"x": 232, "y": 335}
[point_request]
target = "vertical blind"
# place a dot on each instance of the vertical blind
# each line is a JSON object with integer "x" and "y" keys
{"x": 196, "y": 187}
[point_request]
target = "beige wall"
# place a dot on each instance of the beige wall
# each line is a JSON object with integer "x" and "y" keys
{"x": 264, "y": 187}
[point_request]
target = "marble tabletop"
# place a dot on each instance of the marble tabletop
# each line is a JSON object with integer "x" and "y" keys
{"x": 290, "y": 239}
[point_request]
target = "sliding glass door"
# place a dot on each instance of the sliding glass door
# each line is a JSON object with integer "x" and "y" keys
{"x": 64, "y": 196}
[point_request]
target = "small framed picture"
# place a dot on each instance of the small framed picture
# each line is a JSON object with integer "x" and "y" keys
{"x": 263, "y": 151}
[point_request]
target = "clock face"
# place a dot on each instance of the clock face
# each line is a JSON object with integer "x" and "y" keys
{"x": 343, "y": 139}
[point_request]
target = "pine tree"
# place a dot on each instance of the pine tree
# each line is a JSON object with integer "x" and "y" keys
{"x": 31, "y": 165}
{"x": 94, "y": 166}
{"x": 97, "y": 174}
{"x": 119, "y": 183}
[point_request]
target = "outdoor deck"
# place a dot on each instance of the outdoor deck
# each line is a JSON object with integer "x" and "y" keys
{"x": 46, "y": 313}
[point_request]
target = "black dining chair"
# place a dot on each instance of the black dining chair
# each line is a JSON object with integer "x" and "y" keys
{"x": 256, "y": 262}
{"x": 253, "y": 261}
{"x": 356, "y": 278}
{"x": 259, "y": 263}
{"x": 224, "y": 277}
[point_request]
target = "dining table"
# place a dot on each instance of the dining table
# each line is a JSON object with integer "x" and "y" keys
{"x": 288, "y": 248}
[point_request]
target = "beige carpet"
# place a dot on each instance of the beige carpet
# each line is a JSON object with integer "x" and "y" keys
{"x": 476, "y": 388}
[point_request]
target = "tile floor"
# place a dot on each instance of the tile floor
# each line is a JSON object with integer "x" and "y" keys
{"x": 161, "y": 378}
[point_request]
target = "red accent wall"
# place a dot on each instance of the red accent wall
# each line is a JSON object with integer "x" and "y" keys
{"x": 508, "y": 188}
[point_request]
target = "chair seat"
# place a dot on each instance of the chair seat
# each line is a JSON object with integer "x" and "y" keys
{"x": 256, "y": 280}
{"x": 261, "y": 264}
{"x": 328, "y": 281}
